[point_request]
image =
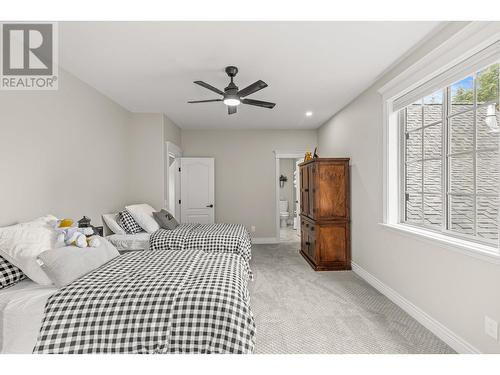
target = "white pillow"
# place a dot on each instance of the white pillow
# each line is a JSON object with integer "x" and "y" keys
{"x": 110, "y": 220}
{"x": 143, "y": 215}
{"x": 66, "y": 264}
{"x": 21, "y": 244}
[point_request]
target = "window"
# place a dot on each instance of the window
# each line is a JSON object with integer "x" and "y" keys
{"x": 450, "y": 153}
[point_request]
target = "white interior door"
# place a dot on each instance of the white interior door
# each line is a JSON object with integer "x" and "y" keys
{"x": 197, "y": 190}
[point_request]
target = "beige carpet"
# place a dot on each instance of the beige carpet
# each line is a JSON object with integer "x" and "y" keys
{"x": 298, "y": 310}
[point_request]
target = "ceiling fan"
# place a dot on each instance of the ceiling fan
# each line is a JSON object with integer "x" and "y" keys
{"x": 232, "y": 97}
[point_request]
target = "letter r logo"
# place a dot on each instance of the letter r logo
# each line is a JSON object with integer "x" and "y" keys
{"x": 27, "y": 49}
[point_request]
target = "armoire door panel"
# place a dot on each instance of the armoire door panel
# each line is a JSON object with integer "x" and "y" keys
{"x": 332, "y": 198}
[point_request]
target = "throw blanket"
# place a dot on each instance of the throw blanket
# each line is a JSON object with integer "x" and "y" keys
{"x": 153, "y": 302}
{"x": 211, "y": 238}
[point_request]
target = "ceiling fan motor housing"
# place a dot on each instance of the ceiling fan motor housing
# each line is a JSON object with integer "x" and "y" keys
{"x": 231, "y": 71}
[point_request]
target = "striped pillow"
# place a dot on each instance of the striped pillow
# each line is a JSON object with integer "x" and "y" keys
{"x": 9, "y": 274}
{"x": 127, "y": 222}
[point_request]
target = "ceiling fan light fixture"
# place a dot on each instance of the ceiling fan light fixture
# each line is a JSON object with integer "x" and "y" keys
{"x": 232, "y": 97}
{"x": 232, "y": 101}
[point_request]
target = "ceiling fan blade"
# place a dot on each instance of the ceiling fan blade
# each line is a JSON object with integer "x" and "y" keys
{"x": 258, "y": 103}
{"x": 231, "y": 109}
{"x": 210, "y": 87}
{"x": 205, "y": 101}
{"x": 254, "y": 87}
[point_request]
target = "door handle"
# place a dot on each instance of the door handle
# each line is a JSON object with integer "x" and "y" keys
{"x": 210, "y": 205}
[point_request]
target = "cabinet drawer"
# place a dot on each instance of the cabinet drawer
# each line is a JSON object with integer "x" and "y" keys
{"x": 332, "y": 244}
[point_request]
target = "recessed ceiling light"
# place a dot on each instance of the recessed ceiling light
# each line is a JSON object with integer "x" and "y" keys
{"x": 309, "y": 113}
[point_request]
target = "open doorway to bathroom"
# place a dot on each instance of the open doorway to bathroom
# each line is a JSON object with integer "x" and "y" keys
{"x": 288, "y": 199}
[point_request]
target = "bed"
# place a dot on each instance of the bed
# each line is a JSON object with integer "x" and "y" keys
{"x": 139, "y": 302}
{"x": 210, "y": 238}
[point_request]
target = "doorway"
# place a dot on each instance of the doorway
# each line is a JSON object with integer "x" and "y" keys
{"x": 288, "y": 196}
{"x": 173, "y": 154}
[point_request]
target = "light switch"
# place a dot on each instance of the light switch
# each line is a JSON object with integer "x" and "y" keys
{"x": 491, "y": 327}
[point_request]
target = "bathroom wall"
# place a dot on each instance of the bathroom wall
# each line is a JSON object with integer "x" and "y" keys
{"x": 287, "y": 167}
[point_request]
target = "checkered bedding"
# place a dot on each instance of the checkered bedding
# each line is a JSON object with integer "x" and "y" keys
{"x": 211, "y": 238}
{"x": 153, "y": 302}
{"x": 9, "y": 274}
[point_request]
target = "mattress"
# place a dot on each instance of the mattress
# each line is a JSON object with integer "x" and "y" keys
{"x": 21, "y": 313}
{"x": 128, "y": 242}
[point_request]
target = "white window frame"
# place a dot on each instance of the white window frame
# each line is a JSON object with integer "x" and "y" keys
{"x": 470, "y": 40}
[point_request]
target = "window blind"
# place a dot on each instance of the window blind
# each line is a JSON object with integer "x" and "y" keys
{"x": 483, "y": 58}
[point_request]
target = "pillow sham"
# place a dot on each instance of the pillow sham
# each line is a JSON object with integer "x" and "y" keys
{"x": 110, "y": 220}
{"x": 9, "y": 274}
{"x": 143, "y": 215}
{"x": 20, "y": 244}
{"x": 127, "y": 222}
{"x": 165, "y": 220}
{"x": 66, "y": 264}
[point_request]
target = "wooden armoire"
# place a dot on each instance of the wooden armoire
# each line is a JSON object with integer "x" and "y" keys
{"x": 325, "y": 213}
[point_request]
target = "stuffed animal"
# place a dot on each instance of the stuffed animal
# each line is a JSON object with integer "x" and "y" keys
{"x": 71, "y": 235}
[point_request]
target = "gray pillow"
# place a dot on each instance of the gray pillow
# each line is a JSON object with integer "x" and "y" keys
{"x": 64, "y": 265}
{"x": 165, "y": 220}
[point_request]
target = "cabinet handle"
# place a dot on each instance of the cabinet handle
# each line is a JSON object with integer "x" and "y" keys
{"x": 306, "y": 189}
{"x": 312, "y": 228}
{"x": 308, "y": 243}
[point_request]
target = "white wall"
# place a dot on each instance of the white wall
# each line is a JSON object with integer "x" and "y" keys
{"x": 245, "y": 190}
{"x": 146, "y": 159}
{"x": 75, "y": 152}
{"x": 62, "y": 152}
{"x": 455, "y": 289}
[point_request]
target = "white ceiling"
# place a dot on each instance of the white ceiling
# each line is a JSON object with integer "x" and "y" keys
{"x": 309, "y": 66}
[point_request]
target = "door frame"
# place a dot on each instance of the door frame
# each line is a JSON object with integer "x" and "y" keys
{"x": 171, "y": 150}
{"x": 282, "y": 154}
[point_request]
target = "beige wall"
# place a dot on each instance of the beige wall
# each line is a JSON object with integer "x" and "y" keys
{"x": 245, "y": 190}
{"x": 171, "y": 132}
{"x": 455, "y": 289}
{"x": 146, "y": 159}
{"x": 62, "y": 152}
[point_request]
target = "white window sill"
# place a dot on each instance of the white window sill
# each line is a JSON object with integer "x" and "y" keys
{"x": 476, "y": 250}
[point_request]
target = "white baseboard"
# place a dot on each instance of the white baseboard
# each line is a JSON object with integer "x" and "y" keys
{"x": 264, "y": 240}
{"x": 453, "y": 340}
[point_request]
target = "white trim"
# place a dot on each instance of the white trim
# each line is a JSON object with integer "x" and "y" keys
{"x": 473, "y": 249}
{"x": 280, "y": 154}
{"x": 171, "y": 149}
{"x": 265, "y": 240}
{"x": 469, "y": 40}
{"x": 444, "y": 333}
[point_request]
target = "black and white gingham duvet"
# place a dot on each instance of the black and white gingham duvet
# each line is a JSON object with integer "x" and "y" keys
{"x": 211, "y": 238}
{"x": 153, "y": 302}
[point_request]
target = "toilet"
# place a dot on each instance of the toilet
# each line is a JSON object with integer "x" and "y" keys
{"x": 284, "y": 214}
